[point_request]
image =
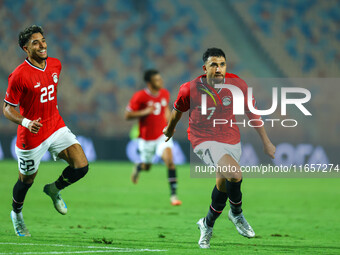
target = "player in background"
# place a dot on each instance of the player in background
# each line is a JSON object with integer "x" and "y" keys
{"x": 150, "y": 107}
{"x": 217, "y": 146}
{"x": 33, "y": 87}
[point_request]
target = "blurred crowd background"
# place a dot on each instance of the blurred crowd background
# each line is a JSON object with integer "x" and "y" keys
{"x": 105, "y": 46}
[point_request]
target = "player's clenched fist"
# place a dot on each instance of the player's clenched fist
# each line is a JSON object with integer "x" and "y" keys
{"x": 34, "y": 126}
{"x": 168, "y": 133}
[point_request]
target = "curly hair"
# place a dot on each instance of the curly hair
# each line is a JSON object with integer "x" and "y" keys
{"x": 25, "y": 35}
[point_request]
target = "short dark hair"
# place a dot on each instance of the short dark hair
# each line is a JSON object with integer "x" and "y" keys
{"x": 149, "y": 73}
{"x": 25, "y": 35}
{"x": 212, "y": 52}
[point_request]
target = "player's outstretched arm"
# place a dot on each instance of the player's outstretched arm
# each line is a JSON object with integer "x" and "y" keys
{"x": 11, "y": 114}
{"x": 129, "y": 115}
{"x": 167, "y": 113}
{"x": 268, "y": 147}
{"x": 169, "y": 130}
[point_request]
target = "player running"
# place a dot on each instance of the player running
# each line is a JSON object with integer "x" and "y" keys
{"x": 150, "y": 106}
{"x": 219, "y": 146}
{"x": 33, "y": 86}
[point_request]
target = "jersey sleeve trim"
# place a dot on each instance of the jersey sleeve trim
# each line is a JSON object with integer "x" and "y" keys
{"x": 11, "y": 103}
{"x": 176, "y": 109}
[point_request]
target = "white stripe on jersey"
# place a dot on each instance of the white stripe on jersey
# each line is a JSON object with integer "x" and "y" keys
{"x": 11, "y": 103}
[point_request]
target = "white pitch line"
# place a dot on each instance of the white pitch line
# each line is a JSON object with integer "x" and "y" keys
{"x": 106, "y": 249}
{"x": 63, "y": 245}
{"x": 77, "y": 252}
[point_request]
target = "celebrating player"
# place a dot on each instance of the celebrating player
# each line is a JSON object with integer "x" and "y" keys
{"x": 33, "y": 86}
{"x": 150, "y": 106}
{"x": 219, "y": 146}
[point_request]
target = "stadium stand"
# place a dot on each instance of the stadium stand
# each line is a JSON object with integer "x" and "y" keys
{"x": 302, "y": 37}
{"x": 105, "y": 46}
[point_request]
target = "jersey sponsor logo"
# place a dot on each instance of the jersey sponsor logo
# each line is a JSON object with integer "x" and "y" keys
{"x": 55, "y": 77}
{"x": 37, "y": 85}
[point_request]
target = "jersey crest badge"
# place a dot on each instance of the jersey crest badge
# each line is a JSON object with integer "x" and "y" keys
{"x": 55, "y": 77}
{"x": 226, "y": 101}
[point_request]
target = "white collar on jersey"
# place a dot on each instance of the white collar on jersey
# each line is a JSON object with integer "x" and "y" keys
{"x": 147, "y": 90}
{"x": 43, "y": 70}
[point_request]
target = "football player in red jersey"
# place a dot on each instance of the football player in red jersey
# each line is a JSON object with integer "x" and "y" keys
{"x": 150, "y": 106}
{"x": 219, "y": 146}
{"x": 33, "y": 87}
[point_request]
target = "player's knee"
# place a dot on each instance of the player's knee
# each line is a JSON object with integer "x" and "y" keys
{"x": 168, "y": 161}
{"x": 27, "y": 179}
{"x": 83, "y": 163}
{"x": 146, "y": 167}
{"x": 235, "y": 179}
{"x": 170, "y": 165}
{"x": 220, "y": 185}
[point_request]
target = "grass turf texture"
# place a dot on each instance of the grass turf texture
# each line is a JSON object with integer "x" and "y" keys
{"x": 105, "y": 210}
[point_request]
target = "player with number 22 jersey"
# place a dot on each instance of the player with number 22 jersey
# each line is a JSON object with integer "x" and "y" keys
{"x": 35, "y": 90}
{"x": 33, "y": 87}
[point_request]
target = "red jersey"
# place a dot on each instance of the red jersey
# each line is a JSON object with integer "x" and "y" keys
{"x": 150, "y": 126}
{"x": 219, "y": 106}
{"x": 35, "y": 91}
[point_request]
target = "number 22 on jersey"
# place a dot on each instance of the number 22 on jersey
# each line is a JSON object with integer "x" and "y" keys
{"x": 47, "y": 94}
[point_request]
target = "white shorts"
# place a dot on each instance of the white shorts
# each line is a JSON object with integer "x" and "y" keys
{"x": 148, "y": 148}
{"x": 211, "y": 152}
{"x": 29, "y": 160}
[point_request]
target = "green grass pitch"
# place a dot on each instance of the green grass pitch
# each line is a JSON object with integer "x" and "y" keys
{"x": 108, "y": 214}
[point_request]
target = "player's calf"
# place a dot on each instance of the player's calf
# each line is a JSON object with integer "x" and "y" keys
{"x": 135, "y": 173}
{"x": 172, "y": 178}
{"x": 19, "y": 193}
{"x": 137, "y": 169}
{"x": 173, "y": 187}
{"x": 71, "y": 175}
{"x": 235, "y": 196}
{"x": 218, "y": 202}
